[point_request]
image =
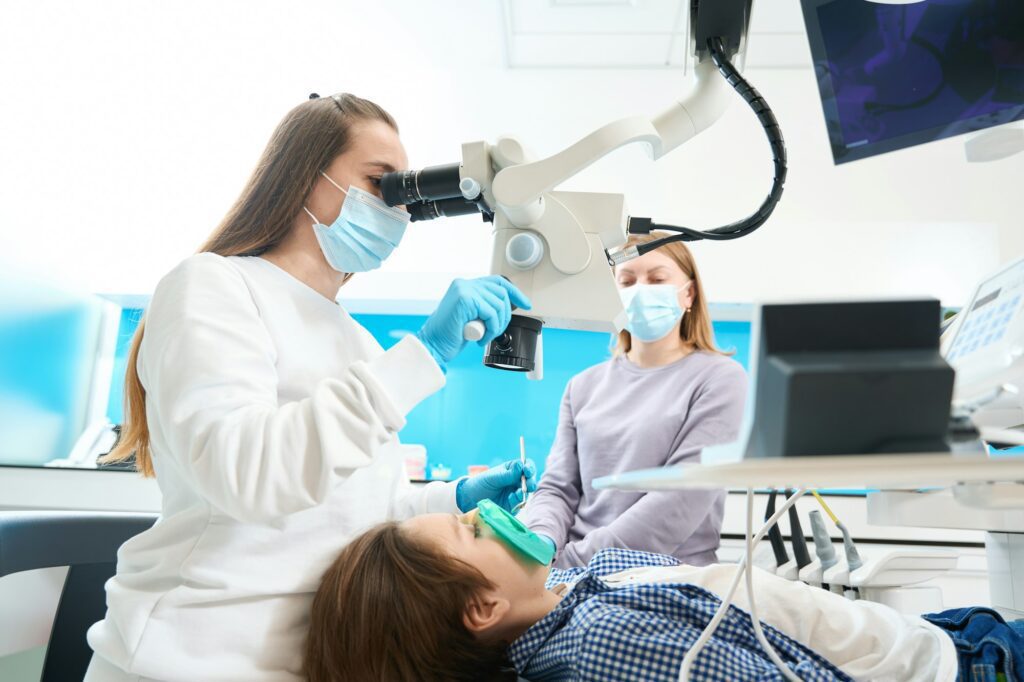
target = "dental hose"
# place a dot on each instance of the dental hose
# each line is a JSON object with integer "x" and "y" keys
{"x": 744, "y": 568}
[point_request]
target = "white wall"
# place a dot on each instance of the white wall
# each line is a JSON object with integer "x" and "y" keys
{"x": 129, "y": 127}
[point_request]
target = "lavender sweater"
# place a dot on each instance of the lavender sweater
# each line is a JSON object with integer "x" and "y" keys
{"x": 618, "y": 417}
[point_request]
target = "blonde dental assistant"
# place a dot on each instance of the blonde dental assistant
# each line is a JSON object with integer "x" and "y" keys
{"x": 269, "y": 416}
{"x": 667, "y": 394}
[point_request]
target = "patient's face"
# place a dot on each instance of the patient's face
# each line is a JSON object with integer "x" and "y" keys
{"x": 472, "y": 541}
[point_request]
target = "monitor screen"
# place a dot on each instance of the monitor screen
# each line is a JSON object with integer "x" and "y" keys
{"x": 894, "y": 76}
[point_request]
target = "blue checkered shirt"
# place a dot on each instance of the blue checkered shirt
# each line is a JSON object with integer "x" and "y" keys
{"x": 642, "y": 631}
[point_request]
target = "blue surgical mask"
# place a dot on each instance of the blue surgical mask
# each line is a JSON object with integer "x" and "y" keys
{"x": 365, "y": 233}
{"x": 652, "y": 310}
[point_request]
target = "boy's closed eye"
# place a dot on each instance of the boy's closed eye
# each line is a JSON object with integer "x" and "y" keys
{"x": 469, "y": 522}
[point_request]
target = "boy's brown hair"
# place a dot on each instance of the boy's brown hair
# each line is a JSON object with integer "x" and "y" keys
{"x": 390, "y": 608}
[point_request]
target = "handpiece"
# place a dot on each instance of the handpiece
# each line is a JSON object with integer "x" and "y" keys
{"x": 796, "y": 531}
{"x": 822, "y": 542}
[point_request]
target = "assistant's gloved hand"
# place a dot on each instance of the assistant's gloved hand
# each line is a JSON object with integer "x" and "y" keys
{"x": 488, "y": 299}
{"x": 502, "y": 485}
{"x": 548, "y": 540}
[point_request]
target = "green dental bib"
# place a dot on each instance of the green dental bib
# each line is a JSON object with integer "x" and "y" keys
{"x": 513, "y": 533}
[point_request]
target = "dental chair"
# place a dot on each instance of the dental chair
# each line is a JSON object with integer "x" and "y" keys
{"x": 85, "y": 542}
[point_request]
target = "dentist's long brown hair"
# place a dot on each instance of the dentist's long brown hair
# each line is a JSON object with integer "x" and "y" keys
{"x": 309, "y": 138}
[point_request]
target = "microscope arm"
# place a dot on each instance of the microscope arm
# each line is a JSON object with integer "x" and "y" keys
{"x": 521, "y": 185}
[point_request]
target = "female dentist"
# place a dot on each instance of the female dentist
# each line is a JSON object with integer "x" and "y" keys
{"x": 667, "y": 394}
{"x": 269, "y": 416}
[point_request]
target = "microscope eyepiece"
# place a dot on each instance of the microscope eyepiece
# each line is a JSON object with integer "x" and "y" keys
{"x": 428, "y": 210}
{"x": 430, "y": 184}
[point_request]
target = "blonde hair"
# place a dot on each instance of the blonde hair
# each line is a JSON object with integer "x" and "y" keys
{"x": 695, "y": 329}
{"x": 304, "y": 143}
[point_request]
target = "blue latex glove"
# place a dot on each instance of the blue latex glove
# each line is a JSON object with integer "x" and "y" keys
{"x": 502, "y": 485}
{"x": 488, "y": 299}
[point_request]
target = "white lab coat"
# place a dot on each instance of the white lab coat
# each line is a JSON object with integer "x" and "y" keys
{"x": 273, "y": 418}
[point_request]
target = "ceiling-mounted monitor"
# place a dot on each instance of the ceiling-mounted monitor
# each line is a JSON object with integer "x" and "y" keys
{"x": 895, "y": 76}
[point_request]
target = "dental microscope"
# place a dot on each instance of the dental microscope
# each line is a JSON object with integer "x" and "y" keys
{"x": 560, "y": 247}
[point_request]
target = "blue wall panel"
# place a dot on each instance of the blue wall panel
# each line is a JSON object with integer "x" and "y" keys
{"x": 480, "y": 414}
{"x": 46, "y": 363}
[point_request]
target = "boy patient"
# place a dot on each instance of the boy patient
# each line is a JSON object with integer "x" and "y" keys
{"x": 446, "y": 597}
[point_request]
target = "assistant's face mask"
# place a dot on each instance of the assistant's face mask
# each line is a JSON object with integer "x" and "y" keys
{"x": 365, "y": 233}
{"x": 652, "y": 310}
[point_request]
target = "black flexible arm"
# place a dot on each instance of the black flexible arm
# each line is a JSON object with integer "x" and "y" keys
{"x": 771, "y": 128}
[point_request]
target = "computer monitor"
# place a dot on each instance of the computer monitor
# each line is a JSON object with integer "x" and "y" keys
{"x": 894, "y": 76}
{"x": 849, "y": 379}
{"x": 985, "y": 345}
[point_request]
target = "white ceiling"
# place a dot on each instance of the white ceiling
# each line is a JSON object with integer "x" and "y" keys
{"x": 638, "y": 34}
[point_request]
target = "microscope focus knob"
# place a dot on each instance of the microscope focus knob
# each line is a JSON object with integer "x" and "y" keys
{"x": 524, "y": 251}
{"x": 470, "y": 189}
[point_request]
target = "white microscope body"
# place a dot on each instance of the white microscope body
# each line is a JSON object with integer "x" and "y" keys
{"x": 553, "y": 244}
{"x": 571, "y": 284}
{"x": 558, "y": 247}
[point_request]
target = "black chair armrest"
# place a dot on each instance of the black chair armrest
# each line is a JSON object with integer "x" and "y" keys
{"x": 44, "y": 539}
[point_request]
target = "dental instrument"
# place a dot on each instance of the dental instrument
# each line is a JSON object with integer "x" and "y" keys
{"x": 796, "y": 532}
{"x": 522, "y": 459}
{"x": 823, "y": 548}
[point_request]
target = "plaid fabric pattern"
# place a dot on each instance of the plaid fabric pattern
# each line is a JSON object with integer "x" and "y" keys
{"x": 642, "y": 631}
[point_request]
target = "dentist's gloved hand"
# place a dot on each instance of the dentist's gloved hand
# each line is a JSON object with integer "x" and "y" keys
{"x": 502, "y": 485}
{"x": 488, "y": 299}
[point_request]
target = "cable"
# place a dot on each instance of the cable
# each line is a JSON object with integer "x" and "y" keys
{"x": 754, "y": 620}
{"x": 743, "y": 227}
{"x": 824, "y": 506}
{"x": 745, "y": 564}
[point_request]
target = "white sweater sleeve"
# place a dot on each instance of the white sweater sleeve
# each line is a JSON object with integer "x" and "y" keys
{"x": 208, "y": 366}
{"x": 436, "y": 497}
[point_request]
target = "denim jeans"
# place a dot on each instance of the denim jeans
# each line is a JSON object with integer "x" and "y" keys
{"x": 988, "y": 648}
